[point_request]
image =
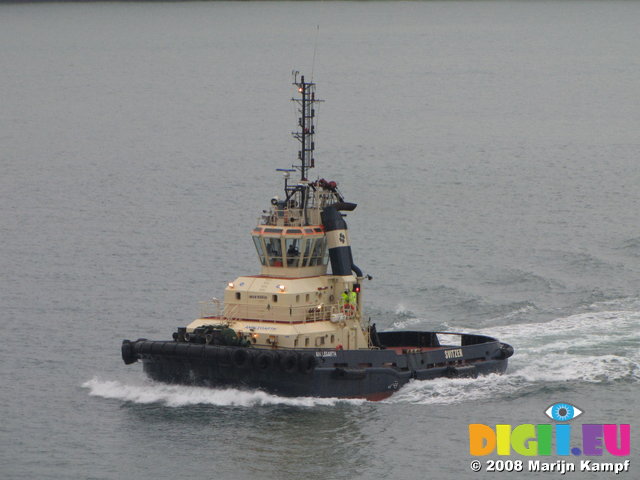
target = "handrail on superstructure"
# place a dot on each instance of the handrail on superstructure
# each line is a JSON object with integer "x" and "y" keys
{"x": 336, "y": 313}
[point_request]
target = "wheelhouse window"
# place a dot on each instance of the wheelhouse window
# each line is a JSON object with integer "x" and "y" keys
{"x": 325, "y": 258}
{"x": 274, "y": 251}
{"x": 293, "y": 251}
{"x": 308, "y": 246}
{"x": 318, "y": 252}
{"x": 259, "y": 248}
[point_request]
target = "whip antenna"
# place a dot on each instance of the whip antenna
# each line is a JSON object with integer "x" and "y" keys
{"x": 315, "y": 48}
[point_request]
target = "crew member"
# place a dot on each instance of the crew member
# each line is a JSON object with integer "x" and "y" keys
{"x": 348, "y": 300}
{"x": 344, "y": 299}
{"x": 353, "y": 298}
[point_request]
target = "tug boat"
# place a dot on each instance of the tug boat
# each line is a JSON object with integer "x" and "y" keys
{"x": 297, "y": 330}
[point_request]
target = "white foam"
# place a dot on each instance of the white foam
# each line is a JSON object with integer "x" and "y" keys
{"x": 444, "y": 391}
{"x": 407, "y": 320}
{"x": 181, "y": 396}
{"x": 594, "y": 347}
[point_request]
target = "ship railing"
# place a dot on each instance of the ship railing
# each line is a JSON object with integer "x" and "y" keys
{"x": 231, "y": 313}
{"x": 217, "y": 308}
{"x": 211, "y": 308}
{"x": 334, "y": 313}
{"x": 288, "y": 217}
{"x": 305, "y": 313}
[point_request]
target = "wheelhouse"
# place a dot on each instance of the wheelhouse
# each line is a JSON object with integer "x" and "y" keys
{"x": 291, "y": 252}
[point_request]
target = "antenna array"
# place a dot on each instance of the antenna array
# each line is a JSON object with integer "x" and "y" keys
{"x": 306, "y": 128}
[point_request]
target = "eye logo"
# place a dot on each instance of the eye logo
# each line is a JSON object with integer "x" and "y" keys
{"x": 546, "y": 439}
{"x": 562, "y": 412}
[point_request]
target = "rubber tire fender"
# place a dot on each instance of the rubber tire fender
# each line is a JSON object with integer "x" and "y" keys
{"x": 241, "y": 358}
{"x": 263, "y": 361}
{"x": 288, "y": 362}
{"x": 307, "y": 363}
{"x": 225, "y": 356}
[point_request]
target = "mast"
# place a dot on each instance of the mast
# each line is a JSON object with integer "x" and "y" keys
{"x": 306, "y": 127}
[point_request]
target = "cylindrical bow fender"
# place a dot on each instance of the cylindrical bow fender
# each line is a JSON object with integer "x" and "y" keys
{"x": 127, "y": 353}
{"x": 506, "y": 350}
{"x": 182, "y": 349}
{"x": 169, "y": 348}
{"x": 211, "y": 353}
{"x": 196, "y": 351}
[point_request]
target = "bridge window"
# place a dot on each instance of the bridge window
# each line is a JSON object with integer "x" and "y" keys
{"x": 318, "y": 256}
{"x": 293, "y": 251}
{"x": 274, "y": 251}
{"x": 258, "y": 242}
{"x": 308, "y": 243}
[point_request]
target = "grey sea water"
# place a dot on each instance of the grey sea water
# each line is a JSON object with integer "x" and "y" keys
{"x": 493, "y": 149}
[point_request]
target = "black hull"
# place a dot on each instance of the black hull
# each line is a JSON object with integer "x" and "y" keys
{"x": 372, "y": 374}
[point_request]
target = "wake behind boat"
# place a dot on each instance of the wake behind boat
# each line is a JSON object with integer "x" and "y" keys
{"x": 297, "y": 330}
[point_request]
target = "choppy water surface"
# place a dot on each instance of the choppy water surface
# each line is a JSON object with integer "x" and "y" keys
{"x": 492, "y": 148}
